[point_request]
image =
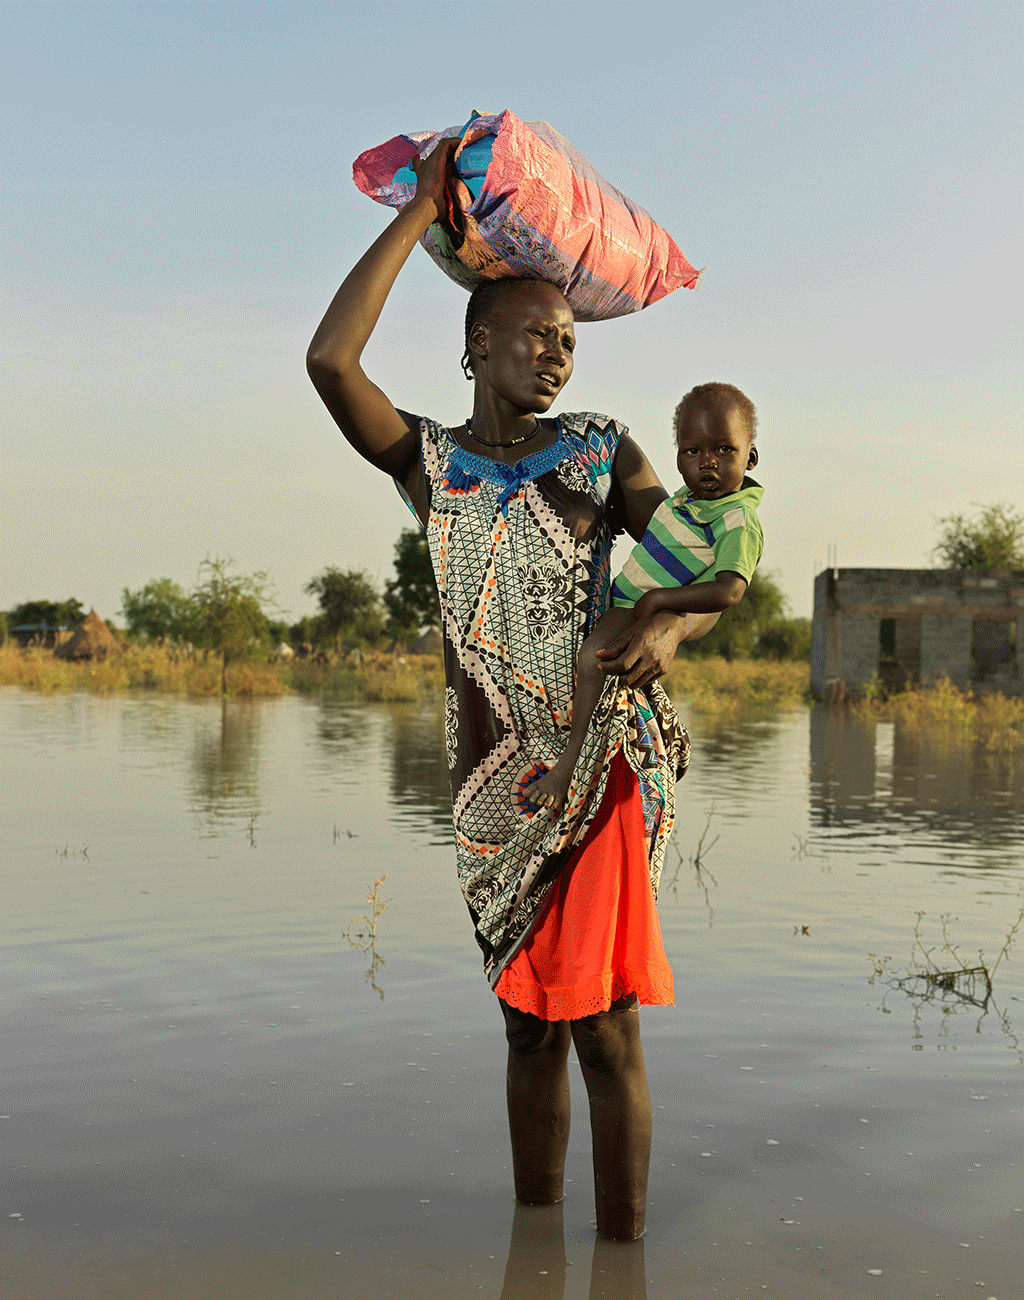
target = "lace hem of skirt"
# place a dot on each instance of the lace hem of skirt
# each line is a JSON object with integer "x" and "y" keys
{"x": 653, "y": 988}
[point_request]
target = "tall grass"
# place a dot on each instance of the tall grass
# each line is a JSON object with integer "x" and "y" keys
{"x": 710, "y": 686}
{"x": 379, "y": 678}
{"x": 163, "y": 668}
{"x": 992, "y": 720}
{"x": 713, "y": 685}
{"x": 151, "y": 667}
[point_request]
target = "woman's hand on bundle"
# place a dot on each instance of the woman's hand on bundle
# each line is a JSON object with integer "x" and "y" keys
{"x": 365, "y": 415}
{"x": 432, "y": 172}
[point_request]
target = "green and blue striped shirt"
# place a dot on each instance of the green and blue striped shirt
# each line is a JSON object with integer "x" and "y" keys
{"x": 692, "y": 541}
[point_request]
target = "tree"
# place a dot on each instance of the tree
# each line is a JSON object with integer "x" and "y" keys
{"x": 411, "y": 596}
{"x": 306, "y": 631}
{"x": 789, "y": 638}
{"x": 226, "y": 612}
{"x": 992, "y": 539}
{"x": 53, "y": 613}
{"x": 349, "y": 604}
{"x": 160, "y": 608}
{"x": 279, "y": 631}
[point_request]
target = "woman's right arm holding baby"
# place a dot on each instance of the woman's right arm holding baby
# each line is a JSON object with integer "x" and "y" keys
{"x": 361, "y": 411}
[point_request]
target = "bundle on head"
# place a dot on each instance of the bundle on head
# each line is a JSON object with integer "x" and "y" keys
{"x": 524, "y": 202}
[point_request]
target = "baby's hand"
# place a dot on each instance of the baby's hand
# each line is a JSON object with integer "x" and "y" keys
{"x": 648, "y": 604}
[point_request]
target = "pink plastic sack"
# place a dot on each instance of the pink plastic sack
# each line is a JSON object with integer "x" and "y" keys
{"x": 525, "y": 202}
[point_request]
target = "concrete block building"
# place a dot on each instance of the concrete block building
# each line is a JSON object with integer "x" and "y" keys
{"x": 916, "y": 625}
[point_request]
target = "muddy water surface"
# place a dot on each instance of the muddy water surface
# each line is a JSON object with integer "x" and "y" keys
{"x": 215, "y": 1085}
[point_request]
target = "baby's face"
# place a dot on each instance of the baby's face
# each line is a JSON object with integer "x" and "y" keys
{"x": 715, "y": 451}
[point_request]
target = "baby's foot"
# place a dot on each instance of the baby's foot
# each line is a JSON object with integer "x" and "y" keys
{"x": 549, "y": 791}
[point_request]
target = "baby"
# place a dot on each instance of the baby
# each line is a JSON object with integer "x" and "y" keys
{"x": 697, "y": 556}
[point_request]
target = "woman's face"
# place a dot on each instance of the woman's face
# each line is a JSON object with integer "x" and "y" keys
{"x": 525, "y": 348}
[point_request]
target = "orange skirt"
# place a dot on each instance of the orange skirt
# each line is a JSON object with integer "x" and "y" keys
{"x": 597, "y": 938}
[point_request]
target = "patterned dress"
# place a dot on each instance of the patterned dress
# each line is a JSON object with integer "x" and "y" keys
{"x": 521, "y": 555}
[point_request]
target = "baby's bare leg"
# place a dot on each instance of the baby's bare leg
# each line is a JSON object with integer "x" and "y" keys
{"x": 549, "y": 791}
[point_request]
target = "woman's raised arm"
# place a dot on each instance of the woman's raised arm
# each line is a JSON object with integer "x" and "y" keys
{"x": 361, "y": 411}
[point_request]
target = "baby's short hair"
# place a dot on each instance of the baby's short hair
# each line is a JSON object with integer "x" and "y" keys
{"x": 717, "y": 397}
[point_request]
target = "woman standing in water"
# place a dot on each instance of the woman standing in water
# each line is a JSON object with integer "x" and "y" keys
{"x": 520, "y": 513}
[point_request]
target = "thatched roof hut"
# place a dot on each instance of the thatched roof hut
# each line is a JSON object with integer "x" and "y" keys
{"x": 92, "y": 640}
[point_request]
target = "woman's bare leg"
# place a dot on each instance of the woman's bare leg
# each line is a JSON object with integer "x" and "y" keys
{"x": 537, "y": 1087}
{"x": 610, "y": 1053}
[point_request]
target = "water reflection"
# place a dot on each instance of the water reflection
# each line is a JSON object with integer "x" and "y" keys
{"x": 677, "y": 863}
{"x": 419, "y": 769}
{"x": 224, "y": 767}
{"x": 895, "y": 779}
{"x": 341, "y": 729}
{"x": 740, "y": 749}
{"x": 149, "y": 932}
{"x": 537, "y": 1263}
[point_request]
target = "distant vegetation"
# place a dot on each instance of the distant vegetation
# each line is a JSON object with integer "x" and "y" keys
{"x": 710, "y": 684}
{"x": 174, "y": 668}
{"x": 222, "y": 636}
{"x": 759, "y": 627}
{"x": 225, "y": 634}
{"x": 992, "y": 720}
{"x": 411, "y": 596}
{"x": 350, "y": 608}
{"x": 50, "y": 614}
{"x": 991, "y": 539}
{"x": 233, "y": 615}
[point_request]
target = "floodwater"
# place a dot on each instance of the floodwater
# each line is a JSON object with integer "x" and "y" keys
{"x": 216, "y": 1085}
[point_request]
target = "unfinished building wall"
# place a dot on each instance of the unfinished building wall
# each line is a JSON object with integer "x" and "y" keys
{"x": 953, "y": 623}
{"x": 946, "y": 649}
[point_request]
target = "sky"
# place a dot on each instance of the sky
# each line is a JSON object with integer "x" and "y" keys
{"x": 178, "y": 210}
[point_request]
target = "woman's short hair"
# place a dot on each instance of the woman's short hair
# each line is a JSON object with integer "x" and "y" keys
{"x": 717, "y": 397}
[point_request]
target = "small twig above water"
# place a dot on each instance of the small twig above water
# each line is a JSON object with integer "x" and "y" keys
{"x": 702, "y": 848}
{"x": 701, "y": 873}
{"x": 67, "y": 851}
{"x": 701, "y": 877}
{"x": 362, "y": 931}
{"x": 940, "y": 975}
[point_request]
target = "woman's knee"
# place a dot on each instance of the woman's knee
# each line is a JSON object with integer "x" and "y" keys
{"x": 528, "y": 1035}
{"x": 610, "y": 1040}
